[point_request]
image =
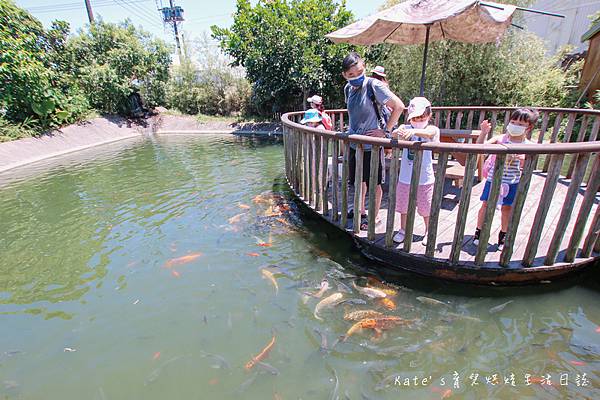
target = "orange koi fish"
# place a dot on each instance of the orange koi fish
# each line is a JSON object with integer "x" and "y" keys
{"x": 156, "y": 355}
{"x": 175, "y": 274}
{"x": 182, "y": 260}
{"x": 598, "y": 329}
{"x": 264, "y": 244}
{"x": 377, "y": 324}
{"x": 253, "y": 254}
{"x": 244, "y": 206}
{"x": 388, "y": 303}
{"x": 260, "y": 356}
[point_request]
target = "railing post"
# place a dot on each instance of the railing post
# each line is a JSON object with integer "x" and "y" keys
{"x": 436, "y": 203}
{"x": 458, "y": 120}
{"x": 515, "y": 219}
{"x": 412, "y": 199}
{"x": 567, "y": 208}
{"x": 580, "y": 137}
{"x": 494, "y": 122}
{"x": 313, "y": 172}
{"x": 593, "y": 235}
{"x": 584, "y": 210}
{"x": 542, "y": 210}
{"x": 470, "y": 119}
{"x": 358, "y": 187}
{"x": 335, "y": 179}
{"x": 593, "y": 136}
{"x": 299, "y": 173}
{"x": 374, "y": 170}
{"x": 318, "y": 172}
{"x": 544, "y": 126}
{"x": 324, "y": 174}
{"x": 345, "y": 178}
{"x": 306, "y": 161}
{"x": 463, "y": 208}
{"x": 391, "y": 212}
{"x": 555, "y": 131}
{"x": 484, "y": 235}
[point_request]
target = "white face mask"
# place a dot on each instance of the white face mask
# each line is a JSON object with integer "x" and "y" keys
{"x": 419, "y": 124}
{"x": 515, "y": 130}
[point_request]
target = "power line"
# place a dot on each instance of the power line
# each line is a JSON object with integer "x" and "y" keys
{"x": 127, "y": 7}
{"x": 144, "y": 11}
{"x": 73, "y": 6}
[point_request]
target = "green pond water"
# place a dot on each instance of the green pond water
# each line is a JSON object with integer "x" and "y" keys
{"x": 133, "y": 271}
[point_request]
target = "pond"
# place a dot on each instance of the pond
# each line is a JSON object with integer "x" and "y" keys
{"x": 158, "y": 268}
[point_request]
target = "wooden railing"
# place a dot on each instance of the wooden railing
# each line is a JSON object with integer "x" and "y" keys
{"x": 566, "y": 146}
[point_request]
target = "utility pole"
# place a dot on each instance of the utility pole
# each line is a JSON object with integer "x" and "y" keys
{"x": 173, "y": 15}
{"x": 88, "y": 7}
{"x": 176, "y": 32}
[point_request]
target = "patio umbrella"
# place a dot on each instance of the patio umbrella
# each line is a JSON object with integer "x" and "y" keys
{"x": 422, "y": 21}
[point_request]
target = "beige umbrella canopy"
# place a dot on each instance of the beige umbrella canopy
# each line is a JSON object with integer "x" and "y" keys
{"x": 422, "y": 21}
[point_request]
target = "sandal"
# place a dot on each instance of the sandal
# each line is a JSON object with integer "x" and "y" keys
{"x": 364, "y": 223}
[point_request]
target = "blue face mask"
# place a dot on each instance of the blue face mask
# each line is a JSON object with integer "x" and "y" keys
{"x": 357, "y": 82}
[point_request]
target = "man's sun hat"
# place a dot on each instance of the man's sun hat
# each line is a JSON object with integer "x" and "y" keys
{"x": 379, "y": 70}
{"x": 315, "y": 99}
{"x": 417, "y": 107}
{"x": 311, "y": 115}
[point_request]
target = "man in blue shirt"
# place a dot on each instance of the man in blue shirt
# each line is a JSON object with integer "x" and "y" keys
{"x": 364, "y": 96}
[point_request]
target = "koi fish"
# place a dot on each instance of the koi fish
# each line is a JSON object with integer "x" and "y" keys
{"x": 370, "y": 292}
{"x": 431, "y": 302}
{"x": 253, "y": 254}
{"x": 378, "y": 324}
{"x": 182, "y": 260}
{"x": 244, "y": 206}
{"x": 269, "y": 275}
{"x": 263, "y": 244}
{"x": 577, "y": 363}
{"x": 327, "y": 302}
{"x": 156, "y": 355}
{"x": 388, "y": 303}
{"x": 500, "y": 307}
{"x": 235, "y": 219}
{"x": 175, "y": 274}
{"x": 260, "y": 356}
{"x": 322, "y": 289}
{"x": 362, "y": 314}
{"x": 323, "y": 348}
{"x": 465, "y": 317}
{"x": 598, "y": 329}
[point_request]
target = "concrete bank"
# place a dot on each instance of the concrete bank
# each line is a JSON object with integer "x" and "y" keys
{"x": 95, "y": 132}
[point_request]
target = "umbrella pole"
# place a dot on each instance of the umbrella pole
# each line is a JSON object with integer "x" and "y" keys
{"x": 422, "y": 92}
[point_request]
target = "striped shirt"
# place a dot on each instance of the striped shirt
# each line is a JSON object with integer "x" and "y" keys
{"x": 512, "y": 169}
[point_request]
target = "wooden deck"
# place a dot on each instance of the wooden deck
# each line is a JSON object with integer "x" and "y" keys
{"x": 554, "y": 229}
{"x": 447, "y": 221}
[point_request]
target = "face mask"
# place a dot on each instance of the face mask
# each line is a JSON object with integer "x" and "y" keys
{"x": 419, "y": 124}
{"x": 515, "y": 130}
{"x": 357, "y": 82}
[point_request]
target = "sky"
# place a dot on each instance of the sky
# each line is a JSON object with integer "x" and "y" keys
{"x": 199, "y": 14}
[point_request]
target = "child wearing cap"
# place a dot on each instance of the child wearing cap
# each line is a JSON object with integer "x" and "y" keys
{"x": 418, "y": 129}
{"x": 313, "y": 119}
{"x": 316, "y": 102}
{"x": 522, "y": 121}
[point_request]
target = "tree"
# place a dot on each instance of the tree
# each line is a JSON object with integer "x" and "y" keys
{"x": 282, "y": 46}
{"x": 108, "y": 56}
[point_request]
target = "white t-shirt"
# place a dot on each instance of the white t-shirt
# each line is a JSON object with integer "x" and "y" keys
{"x": 406, "y": 166}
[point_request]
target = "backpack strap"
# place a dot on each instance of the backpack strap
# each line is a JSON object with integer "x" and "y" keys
{"x": 371, "y": 96}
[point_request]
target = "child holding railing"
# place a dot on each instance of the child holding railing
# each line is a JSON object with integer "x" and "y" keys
{"x": 522, "y": 122}
{"x": 418, "y": 129}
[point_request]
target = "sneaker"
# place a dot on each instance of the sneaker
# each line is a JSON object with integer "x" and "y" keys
{"x": 476, "y": 236}
{"x": 501, "y": 238}
{"x": 399, "y": 237}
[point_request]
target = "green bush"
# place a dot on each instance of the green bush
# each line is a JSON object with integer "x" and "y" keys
{"x": 204, "y": 83}
{"x": 107, "y": 57}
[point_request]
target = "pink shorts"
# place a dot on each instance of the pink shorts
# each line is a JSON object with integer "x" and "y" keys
{"x": 424, "y": 195}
